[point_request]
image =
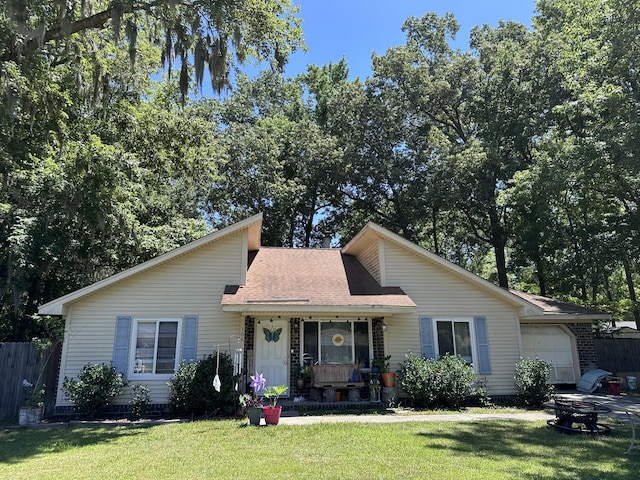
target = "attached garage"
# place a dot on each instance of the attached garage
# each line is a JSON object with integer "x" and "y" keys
{"x": 553, "y": 344}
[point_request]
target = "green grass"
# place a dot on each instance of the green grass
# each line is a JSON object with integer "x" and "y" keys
{"x": 229, "y": 450}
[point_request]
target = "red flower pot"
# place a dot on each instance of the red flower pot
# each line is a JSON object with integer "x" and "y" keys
{"x": 389, "y": 379}
{"x": 272, "y": 414}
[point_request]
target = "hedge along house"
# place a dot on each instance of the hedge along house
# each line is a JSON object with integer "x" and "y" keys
{"x": 378, "y": 295}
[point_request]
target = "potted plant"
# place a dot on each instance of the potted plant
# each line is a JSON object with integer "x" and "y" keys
{"x": 301, "y": 376}
{"x": 33, "y": 409}
{"x": 272, "y": 412}
{"x": 252, "y": 408}
{"x": 251, "y": 403}
{"x": 388, "y": 378}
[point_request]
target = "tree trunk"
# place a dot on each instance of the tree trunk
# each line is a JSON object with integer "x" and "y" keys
{"x": 499, "y": 242}
{"x": 542, "y": 284}
{"x": 434, "y": 222}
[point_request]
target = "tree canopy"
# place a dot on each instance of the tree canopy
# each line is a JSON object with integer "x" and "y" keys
{"x": 516, "y": 158}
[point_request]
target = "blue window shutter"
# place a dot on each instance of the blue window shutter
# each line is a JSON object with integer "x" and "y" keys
{"x": 121, "y": 345}
{"x": 190, "y": 338}
{"x": 482, "y": 340}
{"x": 426, "y": 337}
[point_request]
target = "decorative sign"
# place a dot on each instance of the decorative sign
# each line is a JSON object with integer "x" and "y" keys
{"x": 338, "y": 340}
{"x": 272, "y": 335}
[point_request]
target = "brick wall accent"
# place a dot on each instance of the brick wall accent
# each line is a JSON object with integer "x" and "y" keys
{"x": 586, "y": 345}
{"x": 378, "y": 337}
{"x": 294, "y": 344}
{"x": 249, "y": 335}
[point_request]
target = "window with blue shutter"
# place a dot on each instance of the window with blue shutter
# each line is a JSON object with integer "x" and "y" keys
{"x": 157, "y": 346}
{"x": 442, "y": 336}
{"x": 482, "y": 344}
{"x": 121, "y": 345}
{"x": 190, "y": 338}
{"x": 426, "y": 338}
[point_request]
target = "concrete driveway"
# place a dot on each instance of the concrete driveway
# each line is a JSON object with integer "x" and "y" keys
{"x": 619, "y": 404}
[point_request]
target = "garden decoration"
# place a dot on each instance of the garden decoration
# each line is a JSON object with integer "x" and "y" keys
{"x": 272, "y": 335}
{"x": 374, "y": 390}
{"x": 216, "y": 380}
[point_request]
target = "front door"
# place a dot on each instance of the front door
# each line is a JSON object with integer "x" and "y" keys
{"x": 272, "y": 351}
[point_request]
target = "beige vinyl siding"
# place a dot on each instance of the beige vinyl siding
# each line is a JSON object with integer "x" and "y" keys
{"x": 370, "y": 259}
{"x": 188, "y": 285}
{"x": 441, "y": 293}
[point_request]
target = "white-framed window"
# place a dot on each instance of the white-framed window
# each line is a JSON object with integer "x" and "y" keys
{"x": 337, "y": 342}
{"x": 155, "y": 352}
{"x": 455, "y": 336}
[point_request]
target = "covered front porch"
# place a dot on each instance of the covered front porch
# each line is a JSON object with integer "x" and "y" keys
{"x": 285, "y": 347}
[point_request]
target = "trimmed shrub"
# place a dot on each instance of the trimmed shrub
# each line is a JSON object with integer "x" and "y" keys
{"x": 430, "y": 383}
{"x": 96, "y": 388}
{"x": 531, "y": 380}
{"x": 191, "y": 391}
{"x": 140, "y": 401}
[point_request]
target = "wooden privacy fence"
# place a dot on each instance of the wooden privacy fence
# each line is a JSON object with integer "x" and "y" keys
{"x": 20, "y": 361}
{"x": 618, "y": 354}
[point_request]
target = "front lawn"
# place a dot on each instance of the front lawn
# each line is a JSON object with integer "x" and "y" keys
{"x": 229, "y": 450}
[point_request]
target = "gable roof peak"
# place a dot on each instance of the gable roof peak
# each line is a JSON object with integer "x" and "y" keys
{"x": 253, "y": 224}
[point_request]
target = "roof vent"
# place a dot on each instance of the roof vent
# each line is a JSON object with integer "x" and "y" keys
{"x": 326, "y": 241}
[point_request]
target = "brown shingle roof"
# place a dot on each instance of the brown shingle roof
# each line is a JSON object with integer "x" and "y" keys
{"x": 311, "y": 277}
{"x": 552, "y": 306}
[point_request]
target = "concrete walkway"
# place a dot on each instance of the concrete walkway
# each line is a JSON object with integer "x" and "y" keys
{"x": 411, "y": 417}
{"x": 618, "y": 405}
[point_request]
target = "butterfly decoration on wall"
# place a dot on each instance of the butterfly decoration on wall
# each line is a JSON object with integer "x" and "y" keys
{"x": 272, "y": 335}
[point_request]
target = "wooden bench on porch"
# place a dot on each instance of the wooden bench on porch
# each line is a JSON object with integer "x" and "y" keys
{"x": 330, "y": 378}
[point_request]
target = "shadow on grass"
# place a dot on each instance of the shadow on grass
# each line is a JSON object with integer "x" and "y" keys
{"x": 18, "y": 445}
{"x": 567, "y": 456}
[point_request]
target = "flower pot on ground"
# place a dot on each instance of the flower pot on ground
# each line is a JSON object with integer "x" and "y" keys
{"x": 30, "y": 415}
{"x": 251, "y": 403}
{"x": 389, "y": 379}
{"x": 254, "y": 414}
{"x": 272, "y": 414}
{"x": 33, "y": 409}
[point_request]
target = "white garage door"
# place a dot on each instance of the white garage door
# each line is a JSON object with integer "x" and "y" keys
{"x": 552, "y": 344}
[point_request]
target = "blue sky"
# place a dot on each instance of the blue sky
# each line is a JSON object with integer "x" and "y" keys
{"x": 356, "y": 28}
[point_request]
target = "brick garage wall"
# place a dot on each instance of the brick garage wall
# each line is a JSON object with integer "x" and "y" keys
{"x": 586, "y": 345}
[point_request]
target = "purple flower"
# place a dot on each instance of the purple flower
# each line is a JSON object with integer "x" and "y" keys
{"x": 258, "y": 382}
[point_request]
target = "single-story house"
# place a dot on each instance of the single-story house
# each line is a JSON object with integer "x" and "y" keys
{"x": 378, "y": 295}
